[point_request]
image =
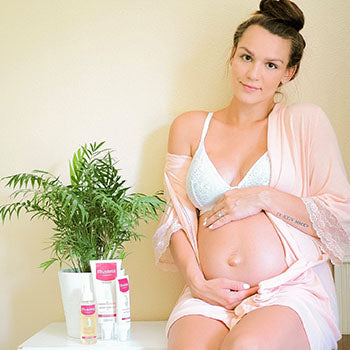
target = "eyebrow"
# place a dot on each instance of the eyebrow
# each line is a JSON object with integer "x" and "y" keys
{"x": 267, "y": 59}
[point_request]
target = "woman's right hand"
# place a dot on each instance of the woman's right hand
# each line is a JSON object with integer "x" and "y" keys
{"x": 221, "y": 291}
{"x": 216, "y": 291}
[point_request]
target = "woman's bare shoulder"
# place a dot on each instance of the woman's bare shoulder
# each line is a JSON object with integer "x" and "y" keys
{"x": 189, "y": 119}
{"x": 185, "y": 132}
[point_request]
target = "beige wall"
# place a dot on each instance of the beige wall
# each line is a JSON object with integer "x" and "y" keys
{"x": 77, "y": 71}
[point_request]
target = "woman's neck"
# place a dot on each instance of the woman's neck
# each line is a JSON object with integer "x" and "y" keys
{"x": 240, "y": 113}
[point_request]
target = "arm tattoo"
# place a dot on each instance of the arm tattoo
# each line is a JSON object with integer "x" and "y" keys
{"x": 289, "y": 218}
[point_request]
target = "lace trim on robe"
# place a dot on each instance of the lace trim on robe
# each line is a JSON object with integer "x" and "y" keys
{"x": 161, "y": 241}
{"x": 181, "y": 214}
{"x": 333, "y": 237}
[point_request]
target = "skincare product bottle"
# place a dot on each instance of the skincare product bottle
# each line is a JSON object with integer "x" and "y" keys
{"x": 123, "y": 307}
{"x": 105, "y": 273}
{"x": 107, "y": 321}
{"x": 87, "y": 316}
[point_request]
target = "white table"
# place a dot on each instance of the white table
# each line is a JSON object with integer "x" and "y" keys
{"x": 148, "y": 335}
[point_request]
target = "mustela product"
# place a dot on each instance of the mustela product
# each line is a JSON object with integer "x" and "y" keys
{"x": 105, "y": 273}
{"x": 123, "y": 307}
{"x": 87, "y": 316}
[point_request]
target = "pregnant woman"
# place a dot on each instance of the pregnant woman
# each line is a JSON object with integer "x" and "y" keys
{"x": 258, "y": 204}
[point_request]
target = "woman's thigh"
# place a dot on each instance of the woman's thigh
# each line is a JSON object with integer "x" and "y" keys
{"x": 270, "y": 327}
{"x": 196, "y": 332}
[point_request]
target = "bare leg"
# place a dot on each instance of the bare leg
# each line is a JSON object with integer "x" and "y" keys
{"x": 271, "y": 328}
{"x": 196, "y": 332}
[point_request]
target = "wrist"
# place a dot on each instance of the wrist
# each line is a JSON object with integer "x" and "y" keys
{"x": 195, "y": 281}
{"x": 266, "y": 198}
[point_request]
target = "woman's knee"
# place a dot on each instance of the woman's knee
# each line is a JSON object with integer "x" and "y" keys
{"x": 242, "y": 341}
{"x": 196, "y": 332}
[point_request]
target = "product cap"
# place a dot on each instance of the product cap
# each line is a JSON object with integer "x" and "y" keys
{"x": 124, "y": 334}
{"x": 106, "y": 330}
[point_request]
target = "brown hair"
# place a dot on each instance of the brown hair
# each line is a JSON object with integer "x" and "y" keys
{"x": 280, "y": 17}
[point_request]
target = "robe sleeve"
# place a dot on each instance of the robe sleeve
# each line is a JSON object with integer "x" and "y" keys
{"x": 328, "y": 199}
{"x": 180, "y": 213}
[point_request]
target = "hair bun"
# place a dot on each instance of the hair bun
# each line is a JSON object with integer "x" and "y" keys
{"x": 284, "y": 11}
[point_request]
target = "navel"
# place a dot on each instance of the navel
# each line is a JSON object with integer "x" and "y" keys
{"x": 234, "y": 259}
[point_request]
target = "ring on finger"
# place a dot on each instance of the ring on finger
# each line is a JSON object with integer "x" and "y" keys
{"x": 220, "y": 214}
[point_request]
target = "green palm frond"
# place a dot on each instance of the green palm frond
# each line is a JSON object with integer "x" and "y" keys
{"x": 93, "y": 216}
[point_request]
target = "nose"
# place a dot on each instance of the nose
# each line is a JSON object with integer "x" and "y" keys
{"x": 254, "y": 71}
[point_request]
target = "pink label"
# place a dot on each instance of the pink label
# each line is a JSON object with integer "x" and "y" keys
{"x": 91, "y": 337}
{"x": 88, "y": 310}
{"x": 106, "y": 271}
{"x": 123, "y": 285}
{"x": 102, "y": 315}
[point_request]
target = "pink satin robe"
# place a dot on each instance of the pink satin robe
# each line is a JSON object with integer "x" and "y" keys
{"x": 305, "y": 161}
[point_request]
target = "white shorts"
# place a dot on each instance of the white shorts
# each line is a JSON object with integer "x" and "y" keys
{"x": 298, "y": 288}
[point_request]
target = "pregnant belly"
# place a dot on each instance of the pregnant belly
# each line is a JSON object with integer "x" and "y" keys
{"x": 247, "y": 250}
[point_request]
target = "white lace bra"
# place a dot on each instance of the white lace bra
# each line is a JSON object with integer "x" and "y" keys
{"x": 204, "y": 185}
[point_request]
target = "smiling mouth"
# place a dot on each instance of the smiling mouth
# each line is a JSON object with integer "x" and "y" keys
{"x": 250, "y": 87}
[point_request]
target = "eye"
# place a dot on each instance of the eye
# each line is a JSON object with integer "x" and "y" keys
{"x": 246, "y": 58}
{"x": 271, "y": 65}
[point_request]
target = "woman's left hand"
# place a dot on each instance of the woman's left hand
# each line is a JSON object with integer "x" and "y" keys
{"x": 235, "y": 204}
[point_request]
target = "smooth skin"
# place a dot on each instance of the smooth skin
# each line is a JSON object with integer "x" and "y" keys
{"x": 251, "y": 333}
{"x": 258, "y": 66}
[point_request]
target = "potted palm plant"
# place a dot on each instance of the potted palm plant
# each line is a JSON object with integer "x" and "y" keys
{"x": 92, "y": 216}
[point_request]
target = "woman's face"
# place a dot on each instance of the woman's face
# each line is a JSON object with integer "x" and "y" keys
{"x": 259, "y": 65}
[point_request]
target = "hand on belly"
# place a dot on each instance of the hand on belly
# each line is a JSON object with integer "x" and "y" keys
{"x": 235, "y": 204}
{"x": 221, "y": 291}
{"x": 244, "y": 250}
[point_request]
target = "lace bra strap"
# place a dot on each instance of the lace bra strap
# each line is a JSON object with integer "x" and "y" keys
{"x": 206, "y": 126}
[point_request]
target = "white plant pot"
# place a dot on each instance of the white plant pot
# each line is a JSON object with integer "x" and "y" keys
{"x": 71, "y": 288}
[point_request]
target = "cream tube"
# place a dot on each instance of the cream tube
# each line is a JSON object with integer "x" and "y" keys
{"x": 123, "y": 307}
{"x": 105, "y": 273}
